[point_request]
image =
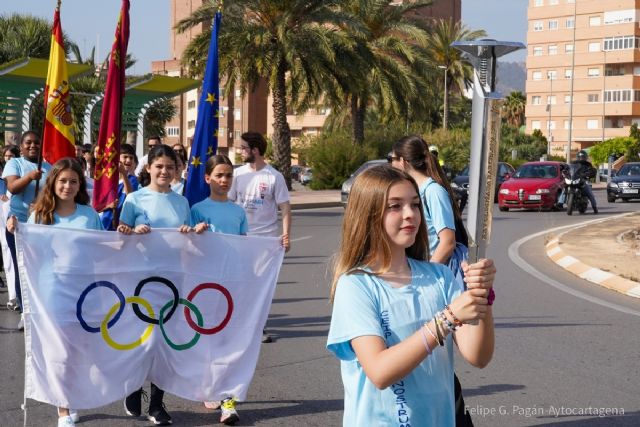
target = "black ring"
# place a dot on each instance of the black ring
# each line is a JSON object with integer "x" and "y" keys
{"x": 170, "y": 285}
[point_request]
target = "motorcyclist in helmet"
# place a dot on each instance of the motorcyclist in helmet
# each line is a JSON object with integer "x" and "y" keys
{"x": 588, "y": 171}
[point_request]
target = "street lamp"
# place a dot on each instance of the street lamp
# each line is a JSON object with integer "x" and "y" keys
{"x": 446, "y": 98}
{"x": 550, "y": 100}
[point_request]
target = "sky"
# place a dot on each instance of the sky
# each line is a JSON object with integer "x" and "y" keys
{"x": 92, "y": 23}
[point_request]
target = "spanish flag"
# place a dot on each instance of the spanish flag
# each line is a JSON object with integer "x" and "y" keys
{"x": 58, "y": 140}
{"x": 106, "y": 176}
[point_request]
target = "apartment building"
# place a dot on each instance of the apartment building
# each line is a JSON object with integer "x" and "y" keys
{"x": 588, "y": 49}
{"x": 252, "y": 111}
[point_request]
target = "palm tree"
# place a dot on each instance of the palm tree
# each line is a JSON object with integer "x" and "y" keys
{"x": 513, "y": 108}
{"x": 458, "y": 72}
{"x": 290, "y": 44}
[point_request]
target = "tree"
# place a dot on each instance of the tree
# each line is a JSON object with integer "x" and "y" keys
{"x": 513, "y": 109}
{"x": 442, "y": 54}
{"x": 289, "y": 44}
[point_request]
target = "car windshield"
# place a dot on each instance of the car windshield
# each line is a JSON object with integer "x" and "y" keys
{"x": 465, "y": 171}
{"x": 536, "y": 171}
{"x": 368, "y": 165}
{"x": 629, "y": 169}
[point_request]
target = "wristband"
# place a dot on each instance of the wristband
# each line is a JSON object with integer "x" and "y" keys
{"x": 457, "y": 321}
{"x": 424, "y": 340}
{"x": 491, "y": 297}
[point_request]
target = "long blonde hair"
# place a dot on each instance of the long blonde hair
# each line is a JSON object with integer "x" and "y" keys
{"x": 364, "y": 240}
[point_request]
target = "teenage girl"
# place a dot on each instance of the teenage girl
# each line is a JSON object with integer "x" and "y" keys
{"x": 154, "y": 206}
{"x": 396, "y": 317}
{"x": 217, "y": 213}
{"x": 63, "y": 202}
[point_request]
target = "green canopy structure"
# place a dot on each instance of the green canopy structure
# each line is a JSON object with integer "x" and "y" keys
{"x": 20, "y": 82}
{"x": 139, "y": 96}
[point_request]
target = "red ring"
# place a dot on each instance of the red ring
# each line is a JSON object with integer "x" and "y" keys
{"x": 216, "y": 329}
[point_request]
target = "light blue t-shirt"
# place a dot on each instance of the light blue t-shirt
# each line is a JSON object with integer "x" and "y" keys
{"x": 438, "y": 211}
{"x": 159, "y": 210}
{"x": 19, "y": 166}
{"x": 366, "y": 305}
{"x": 222, "y": 217}
{"x": 85, "y": 218}
{"x": 178, "y": 187}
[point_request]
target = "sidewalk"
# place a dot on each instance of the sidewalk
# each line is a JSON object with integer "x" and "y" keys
{"x": 605, "y": 252}
{"x": 303, "y": 198}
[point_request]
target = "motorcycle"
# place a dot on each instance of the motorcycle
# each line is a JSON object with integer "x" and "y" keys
{"x": 575, "y": 181}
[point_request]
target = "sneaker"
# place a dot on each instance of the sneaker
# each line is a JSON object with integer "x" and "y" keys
{"x": 213, "y": 405}
{"x": 21, "y": 324}
{"x": 66, "y": 421}
{"x": 229, "y": 414}
{"x": 133, "y": 403}
{"x": 159, "y": 416}
{"x": 12, "y": 304}
{"x": 266, "y": 338}
{"x": 74, "y": 415}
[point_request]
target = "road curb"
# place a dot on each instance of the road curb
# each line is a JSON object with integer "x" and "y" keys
{"x": 592, "y": 274}
{"x": 315, "y": 205}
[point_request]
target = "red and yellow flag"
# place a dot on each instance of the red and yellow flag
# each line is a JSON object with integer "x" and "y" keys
{"x": 58, "y": 140}
{"x": 105, "y": 189}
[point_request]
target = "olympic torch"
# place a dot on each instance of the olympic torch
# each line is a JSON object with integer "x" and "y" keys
{"x": 485, "y": 137}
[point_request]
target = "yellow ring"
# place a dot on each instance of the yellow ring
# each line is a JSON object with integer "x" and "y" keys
{"x": 145, "y": 335}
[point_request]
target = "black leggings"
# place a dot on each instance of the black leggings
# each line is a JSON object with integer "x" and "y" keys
{"x": 11, "y": 242}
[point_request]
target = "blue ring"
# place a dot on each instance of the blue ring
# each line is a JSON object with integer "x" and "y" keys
{"x": 82, "y": 297}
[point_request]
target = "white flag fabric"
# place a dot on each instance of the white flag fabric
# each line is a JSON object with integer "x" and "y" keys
{"x": 104, "y": 312}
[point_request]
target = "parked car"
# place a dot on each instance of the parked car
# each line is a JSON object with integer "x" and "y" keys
{"x": 346, "y": 186}
{"x": 625, "y": 184}
{"x": 460, "y": 184}
{"x": 535, "y": 185}
{"x": 295, "y": 172}
{"x": 306, "y": 176}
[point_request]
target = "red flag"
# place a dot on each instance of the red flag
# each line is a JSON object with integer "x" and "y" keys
{"x": 58, "y": 139}
{"x": 108, "y": 154}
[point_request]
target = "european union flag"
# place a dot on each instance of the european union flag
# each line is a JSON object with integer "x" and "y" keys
{"x": 205, "y": 139}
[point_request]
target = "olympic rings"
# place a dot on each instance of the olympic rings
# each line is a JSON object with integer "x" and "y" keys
{"x": 115, "y": 312}
{"x": 145, "y": 335}
{"x": 83, "y": 295}
{"x": 216, "y": 329}
{"x": 174, "y": 305}
{"x": 164, "y": 334}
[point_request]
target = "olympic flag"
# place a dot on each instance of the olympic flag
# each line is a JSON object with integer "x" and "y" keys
{"x": 105, "y": 312}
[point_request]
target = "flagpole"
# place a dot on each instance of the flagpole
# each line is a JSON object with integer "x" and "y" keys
{"x": 44, "y": 123}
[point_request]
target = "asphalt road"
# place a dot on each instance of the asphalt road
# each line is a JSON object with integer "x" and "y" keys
{"x": 557, "y": 355}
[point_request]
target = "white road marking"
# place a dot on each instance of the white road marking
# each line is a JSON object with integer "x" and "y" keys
{"x": 299, "y": 239}
{"x": 514, "y": 255}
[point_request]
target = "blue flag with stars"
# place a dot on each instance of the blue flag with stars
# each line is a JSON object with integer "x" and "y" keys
{"x": 205, "y": 139}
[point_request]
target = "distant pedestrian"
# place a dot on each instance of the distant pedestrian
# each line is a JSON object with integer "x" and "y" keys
{"x": 393, "y": 310}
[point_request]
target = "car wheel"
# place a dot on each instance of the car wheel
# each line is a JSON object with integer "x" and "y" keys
{"x": 625, "y": 200}
{"x": 611, "y": 199}
{"x": 503, "y": 209}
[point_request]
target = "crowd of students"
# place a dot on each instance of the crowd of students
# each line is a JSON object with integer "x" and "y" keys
{"x": 152, "y": 199}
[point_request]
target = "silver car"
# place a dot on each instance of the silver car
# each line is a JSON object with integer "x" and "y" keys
{"x": 346, "y": 186}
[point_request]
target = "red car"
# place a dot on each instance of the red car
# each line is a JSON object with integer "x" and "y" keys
{"x": 535, "y": 185}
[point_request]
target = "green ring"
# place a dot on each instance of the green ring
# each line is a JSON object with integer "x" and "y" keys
{"x": 199, "y": 318}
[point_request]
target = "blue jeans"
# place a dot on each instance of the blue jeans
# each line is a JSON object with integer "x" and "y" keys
{"x": 586, "y": 190}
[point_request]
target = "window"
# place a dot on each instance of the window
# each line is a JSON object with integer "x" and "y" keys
{"x": 191, "y": 124}
{"x": 594, "y": 46}
{"x": 536, "y": 75}
{"x": 538, "y": 3}
{"x": 237, "y": 134}
{"x": 592, "y": 97}
{"x": 620, "y": 95}
{"x": 553, "y": 49}
{"x": 236, "y": 114}
{"x": 567, "y": 99}
{"x": 537, "y": 51}
{"x": 551, "y": 125}
{"x": 172, "y": 131}
{"x": 552, "y": 74}
{"x": 568, "y": 48}
{"x": 238, "y": 93}
{"x": 536, "y": 100}
{"x": 535, "y": 124}
{"x": 594, "y": 21}
{"x": 551, "y": 100}
{"x": 568, "y": 74}
{"x": 553, "y": 24}
{"x": 636, "y": 96}
{"x": 619, "y": 16}
{"x": 593, "y": 72}
{"x": 592, "y": 124}
{"x": 620, "y": 43}
{"x": 570, "y": 23}
{"x": 222, "y": 110}
{"x": 566, "y": 124}
{"x": 538, "y": 26}
{"x": 221, "y": 133}
{"x": 191, "y": 105}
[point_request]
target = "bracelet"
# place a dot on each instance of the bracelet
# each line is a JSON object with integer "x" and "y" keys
{"x": 447, "y": 322}
{"x": 438, "y": 331}
{"x": 426, "y": 325}
{"x": 455, "y": 319}
{"x": 491, "y": 297}
{"x": 424, "y": 340}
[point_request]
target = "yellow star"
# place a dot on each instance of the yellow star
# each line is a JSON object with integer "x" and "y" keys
{"x": 196, "y": 161}
{"x": 216, "y": 133}
{"x": 217, "y": 114}
{"x": 211, "y": 98}
{"x": 210, "y": 151}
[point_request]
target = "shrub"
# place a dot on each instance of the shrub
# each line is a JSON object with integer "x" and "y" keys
{"x": 617, "y": 146}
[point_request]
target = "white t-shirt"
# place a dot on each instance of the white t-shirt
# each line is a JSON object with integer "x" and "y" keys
{"x": 259, "y": 193}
